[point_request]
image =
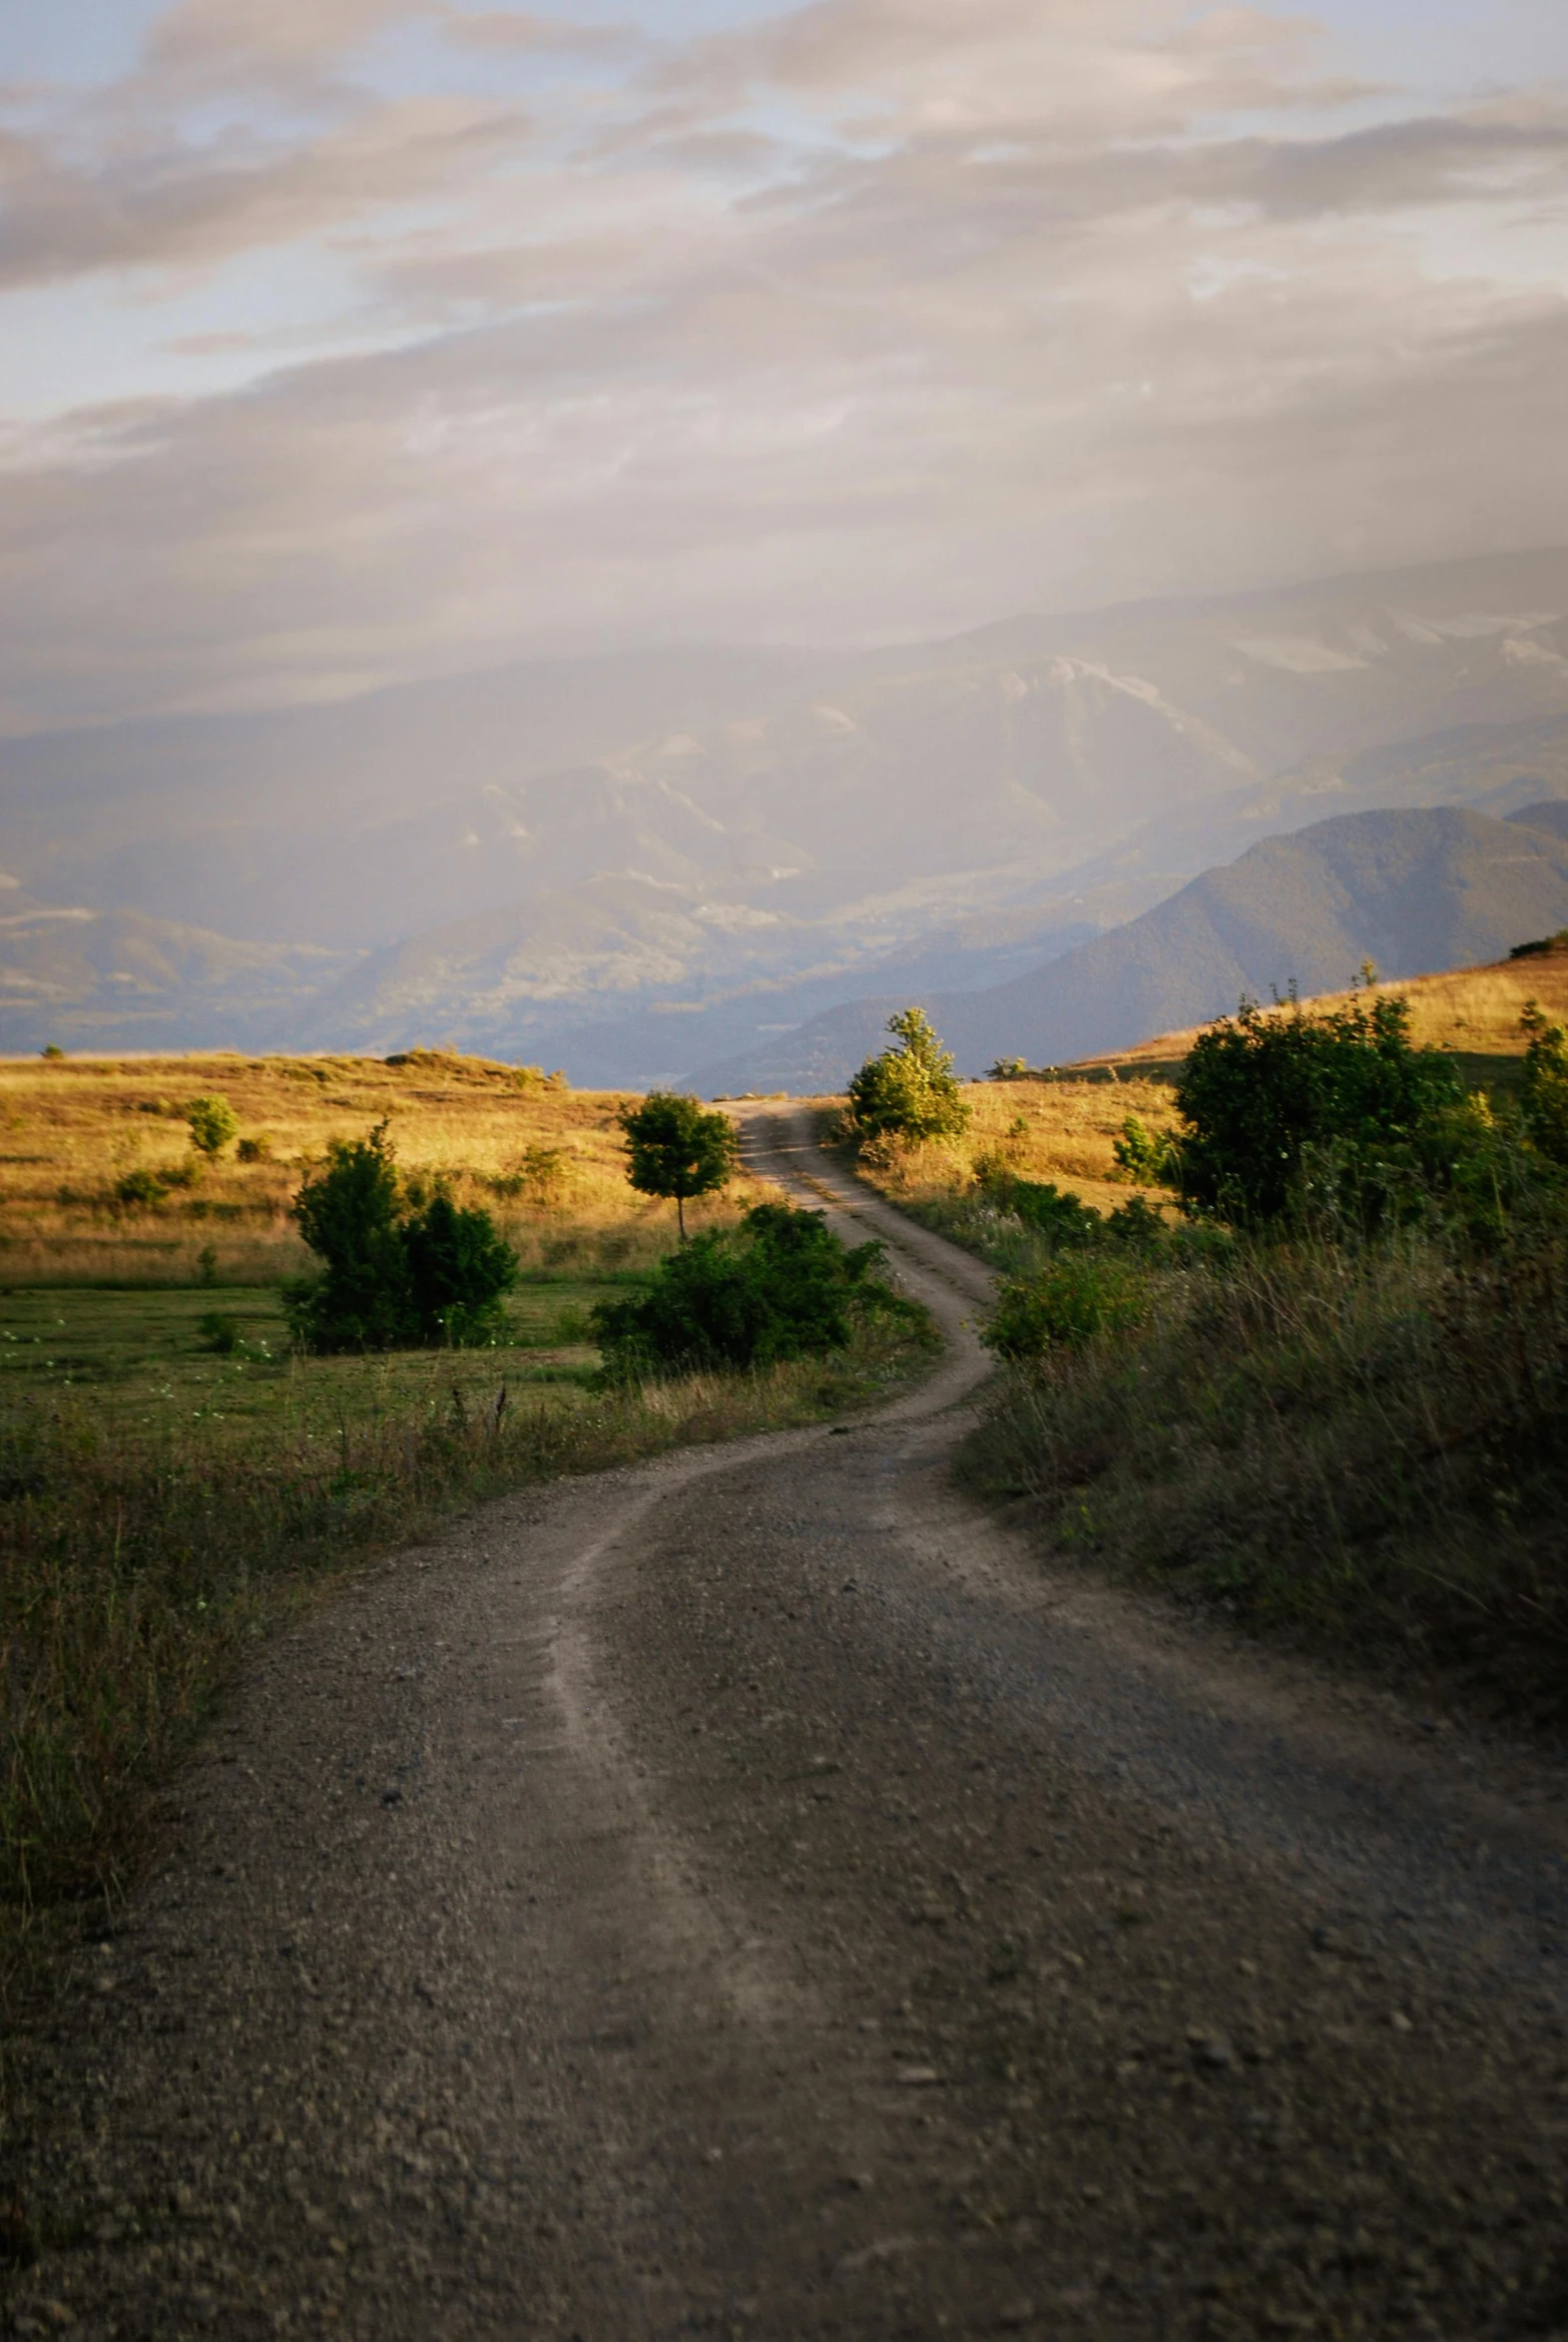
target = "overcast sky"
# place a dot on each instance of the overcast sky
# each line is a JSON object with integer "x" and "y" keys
{"x": 346, "y": 340}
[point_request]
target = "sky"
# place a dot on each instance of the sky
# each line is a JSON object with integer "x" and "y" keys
{"x": 349, "y": 341}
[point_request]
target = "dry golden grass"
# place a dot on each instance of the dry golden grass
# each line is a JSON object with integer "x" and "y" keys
{"x": 1474, "y": 1011}
{"x": 1063, "y": 1131}
{"x": 545, "y": 1160}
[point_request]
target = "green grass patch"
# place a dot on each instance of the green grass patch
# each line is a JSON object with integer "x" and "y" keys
{"x": 143, "y": 1361}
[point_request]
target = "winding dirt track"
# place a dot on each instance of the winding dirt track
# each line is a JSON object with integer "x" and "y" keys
{"x": 749, "y": 1894}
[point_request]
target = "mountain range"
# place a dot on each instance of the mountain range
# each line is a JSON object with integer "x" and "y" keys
{"x": 1408, "y": 891}
{"x": 644, "y": 869}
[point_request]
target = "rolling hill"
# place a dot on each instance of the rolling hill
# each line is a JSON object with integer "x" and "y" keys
{"x": 1413, "y": 891}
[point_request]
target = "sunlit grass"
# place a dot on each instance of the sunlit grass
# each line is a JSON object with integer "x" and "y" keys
{"x": 547, "y": 1161}
{"x": 1060, "y": 1131}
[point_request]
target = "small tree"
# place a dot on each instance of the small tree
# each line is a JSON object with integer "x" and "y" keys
{"x": 213, "y": 1124}
{"x": 908, "y": 1091}
{"x": 678, "y": 1149}
{"x": 458, "y": 1270}
{"x": 350, "y": 1216}
{"x": 393, "y": 1275}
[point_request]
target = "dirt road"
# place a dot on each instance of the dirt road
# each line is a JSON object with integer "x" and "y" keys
{"x": 748, "y": 1895}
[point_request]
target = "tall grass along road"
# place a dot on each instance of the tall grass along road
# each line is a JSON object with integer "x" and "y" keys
{"x": 743, "y": 1893}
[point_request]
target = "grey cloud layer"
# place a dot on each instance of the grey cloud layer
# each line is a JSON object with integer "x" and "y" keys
{"x": 1055, "y": 332}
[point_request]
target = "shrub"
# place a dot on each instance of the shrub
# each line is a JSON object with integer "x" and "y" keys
{"x": 908, "y": 1092}
{"x": 219, "y": 1332}
{"x": 1152, "y": 1157}
{"x": 256, "y": 1151}
{"x": 1042, "y": 1206}
{"x": 350, "y": 1216}
{"x": 678, "y": 1149}
{"x": 782, "y": 1285}
{"x": 213, "y": 1124}
{"x": 541, "y": 1175}
{"x": 458, "y": 1271}
{"x": 139, "y": 1190}
{"x": 1259, "y": 1091}
{"x": 402, "y": 1268}
{"x": 1543, "y": 1097}
{"x": 1066, "y": 1304}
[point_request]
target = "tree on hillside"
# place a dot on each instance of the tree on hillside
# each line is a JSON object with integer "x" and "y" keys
{"x": 910, "y": 1092}
{"x": 678, "y": 1149}
{"x": 212, "y": 1122}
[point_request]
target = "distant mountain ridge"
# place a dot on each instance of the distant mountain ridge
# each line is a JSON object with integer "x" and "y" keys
{"x": 1414, "y": 892}
{"x": 117, "y": 980}
{"x": 631, "y": 866}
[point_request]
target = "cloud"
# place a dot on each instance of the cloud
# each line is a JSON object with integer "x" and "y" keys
{"x": 183, "y": 207}
{"x": 287, "y": 44}
{"x": 513, "y": 32}
{"x": 880, "y": 316}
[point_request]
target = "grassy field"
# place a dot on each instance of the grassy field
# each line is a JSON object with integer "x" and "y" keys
{"x": 148, "y": 1361}
{"x": 544, "y": 1159}
{"x": 1366, "y": 1449}
{"x": 174, "y": 1478}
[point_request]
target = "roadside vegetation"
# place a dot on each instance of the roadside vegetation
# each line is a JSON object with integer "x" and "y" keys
{"x": 1303, "y": 1354}
{"x": 262, "y": 1319}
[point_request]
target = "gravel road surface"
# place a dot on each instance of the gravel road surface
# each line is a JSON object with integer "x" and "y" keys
{"x": 752, "y": 1895}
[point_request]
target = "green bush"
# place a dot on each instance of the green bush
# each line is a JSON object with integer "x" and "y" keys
{"x": 213, "y": 1124}
{"x": 782, "y": 1285}
{"x": 1075, "y": 1297}
{"x": 1042, "y": 1206}
{"x": 1544, "y": 1094}
{"x": 1152, "y": 1157}
{"x": 458, "y": 1271}
{"x": 139, "y": 1190}
{"x": 399, "y": 1270}
{"x": 910, "y": 1092}
{"x": 1258, "y": 1092}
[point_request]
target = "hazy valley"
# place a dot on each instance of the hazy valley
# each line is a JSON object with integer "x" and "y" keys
{"x": 658, "y": 867}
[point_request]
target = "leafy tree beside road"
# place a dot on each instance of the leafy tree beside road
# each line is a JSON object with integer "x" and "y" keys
{"x": 910, "y": 1092}
{"x": 678, "y": 1149}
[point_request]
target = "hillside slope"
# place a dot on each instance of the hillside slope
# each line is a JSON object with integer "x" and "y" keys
{"x": 1411, "y": 892}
